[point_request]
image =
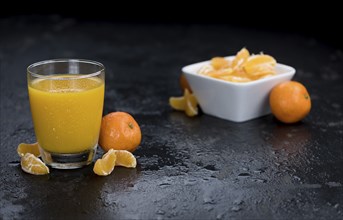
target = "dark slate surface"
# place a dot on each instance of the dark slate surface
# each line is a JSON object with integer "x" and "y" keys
{"x": 188, "y": 168}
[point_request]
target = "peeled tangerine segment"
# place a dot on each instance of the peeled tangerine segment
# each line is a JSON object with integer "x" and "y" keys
{"x": 33, "y": 165}
{"x": 190, "y": 98}
{"x": 220, "y": 73}
{"x": 191, "y": 110}
{"x": 178, "y": 103}
{"x": 259, "y": 63}
{"x": 24, "y": 148}
{"x": 125, "y": 159}
{"x": 240, "y": 58}
{"x": 219, "y": 63}
{"x": 261, "y": 70}
{"x": 106, "y": 164}
{"x": 191, "y": 104}
{"x": 187, "y": 103}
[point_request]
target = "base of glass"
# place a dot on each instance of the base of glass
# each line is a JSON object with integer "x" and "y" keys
{"x": 68, "y": 161}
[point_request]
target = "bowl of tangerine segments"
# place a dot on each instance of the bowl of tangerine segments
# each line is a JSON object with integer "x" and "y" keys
{"x": 242, "y": 87}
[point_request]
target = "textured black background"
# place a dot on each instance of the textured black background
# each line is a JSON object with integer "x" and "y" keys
{"x": 188, "y": 168}
{"x": 321, "y": 20}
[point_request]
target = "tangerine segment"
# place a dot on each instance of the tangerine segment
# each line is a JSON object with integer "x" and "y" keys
{"x": 240, "y": 58}
{"x": 259, "y": 63}
{"x": 191, "y": 110}
{"x": 290, "y": 102}
{"x": 125, "y": 158}
{"x": 24, "y": 148}
{"x": 106, "y": 164}
{"x": 204, "y": 70}
{"x": 191, "y": 104}
{"x": 219, "y": 73}
{"x": 243, "y": 68}
{"x": 33, "y": 165}
{"x": 187, "y": 103}
{"x": 219, "y": 63}
{"x": 178, "y": 103}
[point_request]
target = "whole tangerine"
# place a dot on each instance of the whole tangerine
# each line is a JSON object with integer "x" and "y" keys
{"x": 290, "y": 102}
{"x": 119, "y": 131}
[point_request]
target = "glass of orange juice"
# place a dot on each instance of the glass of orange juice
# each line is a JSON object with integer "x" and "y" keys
{"x": 66, "y": 100}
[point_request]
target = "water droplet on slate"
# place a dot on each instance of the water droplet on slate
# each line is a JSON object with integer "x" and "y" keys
{"x": 261, "y": 170}
{"x": 297, "y": 178}
{"x": 210, "y": 167}
{"x": 14, "y": 163}
{"x": 164, "y": 185}
{"x": 190, "y": 182}
{"x": 333, "y": 184}
{"x": 160, "y": 212}
{"x": 209, "y": 208}
{"x": 257, "y": 180}
{"x": 208, "y": 200}
{"x": 237, "y": 201}
{"x": 236, "y": 208}
{"x": 244, "y": 175}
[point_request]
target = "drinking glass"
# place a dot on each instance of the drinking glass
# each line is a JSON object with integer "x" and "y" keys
{"x": 66, "y": 100}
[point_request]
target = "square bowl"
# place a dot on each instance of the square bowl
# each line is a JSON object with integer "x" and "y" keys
{"x": 234, "y": 101}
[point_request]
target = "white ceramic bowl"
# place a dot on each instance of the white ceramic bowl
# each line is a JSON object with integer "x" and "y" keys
{"x": 233, "y": 101}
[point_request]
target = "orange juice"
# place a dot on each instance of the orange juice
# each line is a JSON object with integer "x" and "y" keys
{"x": 66, "y": 112}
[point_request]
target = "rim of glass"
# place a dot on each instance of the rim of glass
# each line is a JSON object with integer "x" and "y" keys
{"x": 81, "y": 76}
